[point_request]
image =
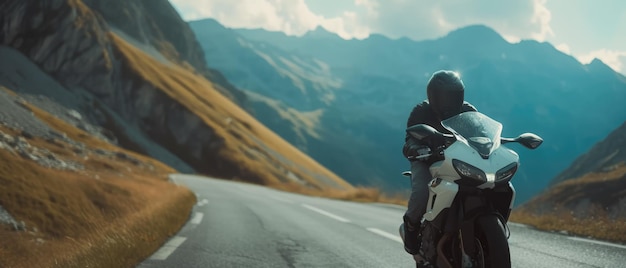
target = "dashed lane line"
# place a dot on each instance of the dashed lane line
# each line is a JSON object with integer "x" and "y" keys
{"x": 341, "y": 219}
{"x": 203, "y": 202}
{"x": 175, "y": 242}
{"x": 197, "y": 218}
{"x": 326, "y": 213}
{"x": 385, "y": 234}
{"x": 168, "y": 248}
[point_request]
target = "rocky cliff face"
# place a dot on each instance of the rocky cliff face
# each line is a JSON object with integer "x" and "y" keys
{"x": 156, "y": 25}
{"x": 65, "y": 39}
{"x": 135, "y": 68}
{"x": 69, "y": 41}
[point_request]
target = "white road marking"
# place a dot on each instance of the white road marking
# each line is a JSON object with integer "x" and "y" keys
{"x": 597, "y": 242}
{"x": 168, "y": 248}
{"x": 197, "y": 218}
{"x": 386, "y": 234}
{"x": 203, "y": 202}
{"x": 325, "y": 213}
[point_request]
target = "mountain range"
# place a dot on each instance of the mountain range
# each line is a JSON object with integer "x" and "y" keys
{"x": 346, "y": 102}
{"x": 101, "y": 100}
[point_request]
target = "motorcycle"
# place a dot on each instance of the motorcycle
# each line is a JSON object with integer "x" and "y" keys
{"x": 470, "y": 195}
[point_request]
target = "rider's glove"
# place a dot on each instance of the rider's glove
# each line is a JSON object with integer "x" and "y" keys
{"x": 415, "y": 152}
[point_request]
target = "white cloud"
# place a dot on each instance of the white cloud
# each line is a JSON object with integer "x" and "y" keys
{"x": 612, "y": 58}
{"x": 419, "y": 20}
{"x": 347, "y": 26}
{"x": 292, "y": 17}
{"x": 370, "y": 5}
{"x": 564, "y": 48}
{"x": 428, "y": 19}
{"x": 541, "y": 17}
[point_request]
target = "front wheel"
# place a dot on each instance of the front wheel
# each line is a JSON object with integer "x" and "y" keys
{"x": 491, "y": 236}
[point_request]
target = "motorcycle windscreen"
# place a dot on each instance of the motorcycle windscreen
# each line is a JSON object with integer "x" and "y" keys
{"x": 480, "y": 131}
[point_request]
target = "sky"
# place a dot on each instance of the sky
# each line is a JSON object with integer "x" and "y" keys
{"x": 584, "y": 29}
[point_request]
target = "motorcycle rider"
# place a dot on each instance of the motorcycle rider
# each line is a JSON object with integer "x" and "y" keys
{"x": 445, "y": 92}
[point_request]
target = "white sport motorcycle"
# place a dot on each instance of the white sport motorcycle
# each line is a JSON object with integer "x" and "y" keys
{"x": 471, "y": 195}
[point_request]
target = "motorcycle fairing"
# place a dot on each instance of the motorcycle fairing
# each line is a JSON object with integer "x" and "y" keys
{"x": 476, "y": 130}
{"x": 450, "y": 204}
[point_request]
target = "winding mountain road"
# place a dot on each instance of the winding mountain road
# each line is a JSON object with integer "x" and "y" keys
{"x": 243, "y": 225}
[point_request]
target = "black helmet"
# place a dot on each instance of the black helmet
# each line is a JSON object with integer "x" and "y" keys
{"x": 445, "y": 92}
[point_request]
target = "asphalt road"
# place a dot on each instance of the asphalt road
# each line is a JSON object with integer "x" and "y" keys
{"x": 242, "y": 225}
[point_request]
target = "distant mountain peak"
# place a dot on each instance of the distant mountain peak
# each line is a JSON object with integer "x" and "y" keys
{"x": 320, "y": 32}
{"x": 475, "y": 32}
{"x": 598, "y": 64}
{"x": 207, "y": 21}
{"x": 376, "y": 36}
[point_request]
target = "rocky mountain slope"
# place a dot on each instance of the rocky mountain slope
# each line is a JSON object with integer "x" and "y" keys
{"x": 346, "y": 102}
{"x": 589, "y": 197}
{"x": 135, "y": 70}
{"x": 596, "y": 178}
{"x": 71, "y": 198}
{"x": 604, "y": 156}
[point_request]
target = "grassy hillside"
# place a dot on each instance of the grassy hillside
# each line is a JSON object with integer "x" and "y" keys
{"x": 114, "y": 212}
{"x": 593, "y": 205}
{"x": 258, "y": 152}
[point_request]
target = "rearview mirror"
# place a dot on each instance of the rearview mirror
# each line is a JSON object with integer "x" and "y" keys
{"x": 422, "y": 131}
{"x": 529, "y": 140}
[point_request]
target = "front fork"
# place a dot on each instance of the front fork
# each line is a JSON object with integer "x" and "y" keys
{"x": 453, "y": 209}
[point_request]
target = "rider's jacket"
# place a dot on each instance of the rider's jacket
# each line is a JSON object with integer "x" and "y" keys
{"x": 423, "y": 114}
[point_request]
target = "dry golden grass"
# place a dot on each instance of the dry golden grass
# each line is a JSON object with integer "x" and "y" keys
{"x": 598, "y": 227}
{"x": 113, "y": 213}
{"x": 249, "y": 147}
{"x": 580, "y": 206}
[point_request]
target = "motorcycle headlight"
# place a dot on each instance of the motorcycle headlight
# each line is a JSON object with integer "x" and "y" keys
{"x": 467, "y": 171}
{"x": 506, "y": 173}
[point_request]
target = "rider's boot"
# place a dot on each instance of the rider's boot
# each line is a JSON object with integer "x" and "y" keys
{"x": 412, "y": 243}
{"x": 411, "y": 237}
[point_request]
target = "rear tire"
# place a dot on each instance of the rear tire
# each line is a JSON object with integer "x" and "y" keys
{"x": 491, "y": 233}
